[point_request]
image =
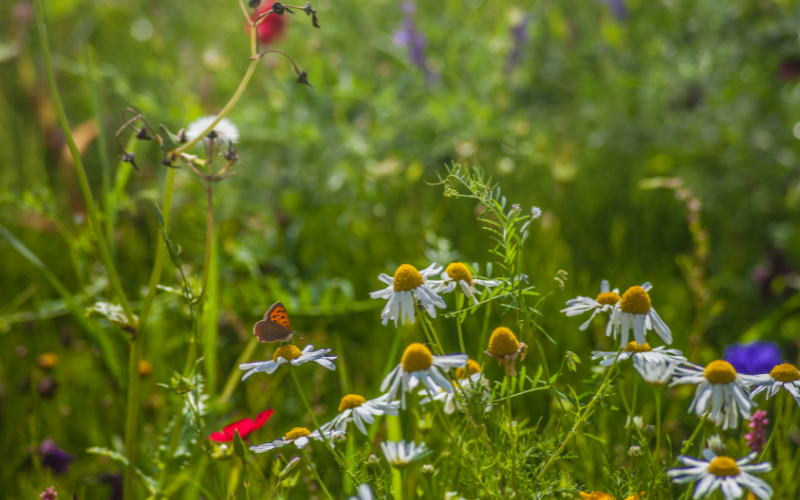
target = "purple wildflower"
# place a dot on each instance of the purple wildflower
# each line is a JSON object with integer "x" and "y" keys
{"x": 416, "y": 42}
{"x": 49, "y": 494}
{"x": 519, "y": 38}
{"x": 757, "y": 437}
{"x": 54, "y": 458}
{"x": 617, "y": 7}
{"x": 755, "y": 358}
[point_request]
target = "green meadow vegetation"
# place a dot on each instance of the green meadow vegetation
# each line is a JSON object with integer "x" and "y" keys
{"x": 542, "y": 147}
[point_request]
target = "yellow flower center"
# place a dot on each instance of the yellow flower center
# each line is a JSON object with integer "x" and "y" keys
{"x": 608, "y": 298}
{"x": 635, "y": 347}
{"x": 416, "y": 358}
{"x": 472, "y": 367}
{"x": 295, "y": 433}
{"x": 287, "y": 352}
{"x": 406, "y": 278}
{"x": 785, "y": 373}
{"x": 459, "y": 272}
{"x": 720, "y": 372}
{"x": 351, "y": 401}
{"x": 635, "y": 301}
{"x": 723, "y": 466}
{"x": 503, "y": 342}
{"x": 48, "y": 360}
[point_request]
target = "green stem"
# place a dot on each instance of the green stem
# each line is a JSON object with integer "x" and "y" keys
{"x": 316, "y": 475}
{"x": 459, "y": 302}
{"x": 508, "y": 392}
{"x": 224, "y": 111}
{"x": 209, "y": 239}
{"x": 581, "y": 419}
{"x": 485, "y": 332}
{"x": 632, "y": 413}
{"x": 91, "y": 207}
{"x": 101, "y": 147}
{"x": 776, "y": 426}
{"x": 134, "y": 383}
{"x": 234, "y": 378}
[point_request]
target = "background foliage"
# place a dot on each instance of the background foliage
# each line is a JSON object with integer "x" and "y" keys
{"x": 575, "y": 112}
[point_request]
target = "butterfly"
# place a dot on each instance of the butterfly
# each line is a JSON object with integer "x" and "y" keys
{"x": 275, "y": 327}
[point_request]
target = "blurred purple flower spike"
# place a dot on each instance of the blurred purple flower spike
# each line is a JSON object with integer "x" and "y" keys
{"x": 617, "y": 7}
{"x": 409, "y": 36}
{"x": 54, "y": 458}
{"x": 519, "y": 38}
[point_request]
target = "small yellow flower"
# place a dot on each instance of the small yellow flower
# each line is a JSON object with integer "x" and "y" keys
{"x": 48, "y": 360}
{"x": 145, "y": 368}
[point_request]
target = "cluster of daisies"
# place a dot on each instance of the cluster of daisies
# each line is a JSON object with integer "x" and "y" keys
{"x": 722, "y": 395}
{"x": 419, "y": 371}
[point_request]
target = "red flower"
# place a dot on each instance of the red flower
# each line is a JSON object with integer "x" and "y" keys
{"x": 270, "y": 28}
{"x": 244, "y": 426}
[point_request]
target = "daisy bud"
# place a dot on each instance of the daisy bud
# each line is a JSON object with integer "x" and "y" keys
{"x": 536, "y": 212}
{"x": 373, "y": 460}
{"x": 428, "y": 469}
{"x": 339, "y": 438}
{"x": 635, "y": 451}
{"x": 289, "y": 467}
{"x": 649, "y": 430}
{"x": 716, "y": 445}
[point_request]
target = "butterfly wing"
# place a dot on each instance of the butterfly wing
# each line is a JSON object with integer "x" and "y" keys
{"x": 275, "y": 327}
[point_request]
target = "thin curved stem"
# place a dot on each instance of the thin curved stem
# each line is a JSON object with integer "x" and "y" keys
{"x": 776, "y": 426}
{"x": 91, "y": 206}
{"x": 316, "y": 474}
{"x": 581, "y": 419}
{"x": 250, "y": 70}
{"x": 134, "y": 382}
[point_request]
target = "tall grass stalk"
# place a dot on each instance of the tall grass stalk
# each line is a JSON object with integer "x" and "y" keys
{"x": 91, "y": 207}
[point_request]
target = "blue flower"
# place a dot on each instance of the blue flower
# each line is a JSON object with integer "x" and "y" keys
{"x": 754, "y": 358}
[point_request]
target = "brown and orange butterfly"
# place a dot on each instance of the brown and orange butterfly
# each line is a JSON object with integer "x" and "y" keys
{"x": 275, "y": 327}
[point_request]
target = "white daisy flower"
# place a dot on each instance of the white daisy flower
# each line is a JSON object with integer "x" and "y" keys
{"x": 355, "y": 408}
{"x": 655, "y": 373}
{"x": 784, "y": 375}
{"x": 458, "y": 275}
{"x": 721, "y": 391}
{"x": 224, "y": 132}
{"x": 364, "y": 493}
{"x": 419, "y": 365}
{"x": 469, "y": 384}
{"x": 603, "y": 303}
{"x": 406, "y": 288}
{"x": 642, "y": 353}
{"x": 290, "y": 354}
{"x": 724, "y": 473}
{"x": 300, "y": 437}
{"x": 400, "y": 454}
{"x": 635, "y": 312}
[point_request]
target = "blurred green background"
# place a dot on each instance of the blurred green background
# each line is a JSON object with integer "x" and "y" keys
{"x": 572, "y": 106}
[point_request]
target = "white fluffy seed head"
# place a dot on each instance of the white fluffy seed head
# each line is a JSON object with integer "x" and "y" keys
{"x": 226, "y": 131}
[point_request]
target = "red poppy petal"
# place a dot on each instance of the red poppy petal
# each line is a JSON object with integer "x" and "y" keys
{"x": 262, "y": 418}
{"x": 244, "y": 426}
{"x": 219, "y": 437}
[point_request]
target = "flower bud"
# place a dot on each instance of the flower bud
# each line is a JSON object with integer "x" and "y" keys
{"x": 716, "y": 445}
{"x": 373, "y": 460}
{"x": 635, "y": 451}
{"x": 288, "y": 469}
{"x": 649, "y": 430}
{"x": 428, "y": 469}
